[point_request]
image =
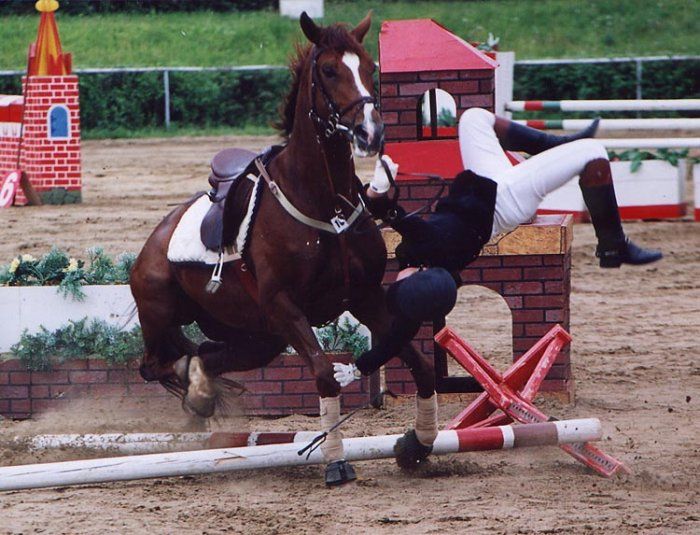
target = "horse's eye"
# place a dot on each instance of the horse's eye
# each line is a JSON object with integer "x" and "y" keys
{"x": 328, "y": 71}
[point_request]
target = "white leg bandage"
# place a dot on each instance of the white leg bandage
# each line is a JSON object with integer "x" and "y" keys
{"x": 332, "y": 448}
{"x": 426, "y": 419}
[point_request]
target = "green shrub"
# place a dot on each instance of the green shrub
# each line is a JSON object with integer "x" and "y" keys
{"x": 87, "y": 7}
{"x": 84, "y": 339}
{"x": 56, "y": 268}
{"x": 636, "y": 156}
{"x": 78, "y": 340}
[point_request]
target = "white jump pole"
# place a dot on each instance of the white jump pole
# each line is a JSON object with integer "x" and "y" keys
{"x": 652, "y": 143}
{"x": 135, "y": 443}
{"x": 614, "y": 124}
{"x": 278, "y": 455}
{"x": 687, "y": 104}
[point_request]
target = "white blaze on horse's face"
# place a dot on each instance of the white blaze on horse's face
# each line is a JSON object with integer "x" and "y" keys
{"x": 352, "y": 62}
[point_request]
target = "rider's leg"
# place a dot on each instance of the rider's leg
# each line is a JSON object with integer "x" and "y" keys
{"x": 522, "y": 188}
{"x": 515, "y": 136}
{"x": 483, "y": 137}
{"x": 614, "y": 248}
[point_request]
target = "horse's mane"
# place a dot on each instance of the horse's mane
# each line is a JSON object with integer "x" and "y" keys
{"x": 332, "y": 37}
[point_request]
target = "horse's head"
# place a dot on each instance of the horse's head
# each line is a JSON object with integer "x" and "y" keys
{"x": 342, "y": 88}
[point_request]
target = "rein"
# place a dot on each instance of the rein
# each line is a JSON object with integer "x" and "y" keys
{"x": 333, "y": 124}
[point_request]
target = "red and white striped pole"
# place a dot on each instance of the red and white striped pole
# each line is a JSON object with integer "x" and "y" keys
{"x": 278, "y": 455}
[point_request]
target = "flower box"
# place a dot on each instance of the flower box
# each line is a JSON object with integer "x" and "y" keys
{"x": 654, "y": 191}
{"x": 30, "y": 307}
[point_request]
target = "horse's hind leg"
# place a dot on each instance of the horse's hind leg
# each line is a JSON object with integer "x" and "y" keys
{"x": 160, "y": 305}
{"x": 241, "y": 351}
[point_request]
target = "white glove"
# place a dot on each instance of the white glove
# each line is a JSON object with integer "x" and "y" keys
{"x": 346, "y": 373}
{"x": 380, "y": 182}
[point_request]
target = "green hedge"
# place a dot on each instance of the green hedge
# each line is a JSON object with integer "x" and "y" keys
{"x": 128, "y": 101}
{"x": 87, "y": 7}
{"x": 203, "y": 99}
{"x": 662, "y": 79}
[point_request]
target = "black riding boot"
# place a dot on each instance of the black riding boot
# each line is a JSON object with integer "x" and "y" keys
{"x": 515, "y": 136}
{"x": 614, "y": 248}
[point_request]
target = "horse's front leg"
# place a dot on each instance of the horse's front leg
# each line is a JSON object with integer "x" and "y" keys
{"x": 392, "y": 337}
{"x": 286, "y": 318}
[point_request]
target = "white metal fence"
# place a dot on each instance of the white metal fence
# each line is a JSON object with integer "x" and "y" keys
{"x": 638, "y": 61}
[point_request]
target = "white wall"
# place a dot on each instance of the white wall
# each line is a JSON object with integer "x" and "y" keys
{"x": 294, "y": 8}
{"x": 29, "y": 307}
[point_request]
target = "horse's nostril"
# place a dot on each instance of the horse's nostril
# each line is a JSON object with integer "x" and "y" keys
{"x": 361, "y": 133}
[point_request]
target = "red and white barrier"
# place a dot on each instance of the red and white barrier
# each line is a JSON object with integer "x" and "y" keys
{"x": 278, "y": 455}
{"x": 655, "y": 191}
{"x": 696, "y": 189}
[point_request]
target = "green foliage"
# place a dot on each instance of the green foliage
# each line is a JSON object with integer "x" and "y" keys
{"x": 89, "y": 7}
{"x": 97, "y": 339}
{"x": 343, "y": 336}
{"x": 78, "y": 340}
{"x": 446, "y": 118}
{"x": 197, "y": 99}
{"x": 56, "y": 268}
{"x": 636, "y": 157}
{"x": 154, "y": 33}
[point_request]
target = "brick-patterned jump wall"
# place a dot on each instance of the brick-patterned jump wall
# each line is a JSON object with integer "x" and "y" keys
{"x": 531, "y": 269}
{"x": 284, "y": 387}
{"x": 52, "y": 165}
{"x": 401, "y": 97}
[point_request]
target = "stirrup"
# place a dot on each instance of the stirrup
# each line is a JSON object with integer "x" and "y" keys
{"x": 215, "y": 282}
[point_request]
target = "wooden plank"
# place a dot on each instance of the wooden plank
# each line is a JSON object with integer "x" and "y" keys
{"x": 547, "y": 234}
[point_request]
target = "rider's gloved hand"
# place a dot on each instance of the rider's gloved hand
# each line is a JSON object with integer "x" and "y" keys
{"x": 380, "y": 182}
{"x": 346, "y": 373}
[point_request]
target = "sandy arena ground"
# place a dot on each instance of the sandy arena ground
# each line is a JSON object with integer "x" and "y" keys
{"x": 636, "y": 359}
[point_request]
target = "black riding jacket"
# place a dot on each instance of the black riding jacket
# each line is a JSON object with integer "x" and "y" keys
{"x": 454, "y": 234}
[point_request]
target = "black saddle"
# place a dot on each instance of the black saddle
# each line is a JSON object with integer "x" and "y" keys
{"x": 230, "y": 194}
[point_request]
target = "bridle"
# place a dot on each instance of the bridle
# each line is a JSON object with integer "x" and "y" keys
{"x": 333, "y": 124}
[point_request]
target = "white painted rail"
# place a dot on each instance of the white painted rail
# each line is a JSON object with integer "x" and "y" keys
{"x": 605, "y": 105}
{"x": 278, "y": 455}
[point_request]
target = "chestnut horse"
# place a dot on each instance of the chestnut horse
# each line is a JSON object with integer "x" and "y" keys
{"x": 305, "y": 276}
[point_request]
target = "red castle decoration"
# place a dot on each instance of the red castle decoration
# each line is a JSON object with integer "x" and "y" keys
{"x": 40, "y": 130}
{"x": 418, "y": 57}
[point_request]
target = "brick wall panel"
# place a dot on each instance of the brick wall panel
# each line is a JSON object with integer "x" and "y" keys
{"x": 398, "y": 77}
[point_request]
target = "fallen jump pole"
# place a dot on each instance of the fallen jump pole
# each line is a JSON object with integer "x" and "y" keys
{"x": 135, "y": 443}
{"x": 278, "y": 455}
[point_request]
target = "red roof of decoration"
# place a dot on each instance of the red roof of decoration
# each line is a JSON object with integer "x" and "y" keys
{"x": 45, "y": 55}
{"x": 423, "y": 45}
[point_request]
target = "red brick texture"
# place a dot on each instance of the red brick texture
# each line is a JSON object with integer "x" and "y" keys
{"x": 284, "y": 387}
{"x": 401, "y": 96}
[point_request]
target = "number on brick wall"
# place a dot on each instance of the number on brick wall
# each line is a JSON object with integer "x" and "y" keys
{"x": 9, "y": 187}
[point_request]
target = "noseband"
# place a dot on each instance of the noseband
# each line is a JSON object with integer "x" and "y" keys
{"x": 333, "y": 124}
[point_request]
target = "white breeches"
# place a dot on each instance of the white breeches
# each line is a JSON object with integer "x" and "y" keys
{"x": 522, "y": 187}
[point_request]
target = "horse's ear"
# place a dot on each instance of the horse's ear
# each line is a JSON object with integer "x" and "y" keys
{"x": 308, "y": 26}
{"x": 362, "y": 28}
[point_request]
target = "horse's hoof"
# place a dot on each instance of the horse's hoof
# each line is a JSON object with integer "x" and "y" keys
{"x": 201, "y": 406}
{"x": 339, "y": 473}
{"x": 201, "y": 392}
{"x": 410, "y": 453}
{"x": 147, "y": 374}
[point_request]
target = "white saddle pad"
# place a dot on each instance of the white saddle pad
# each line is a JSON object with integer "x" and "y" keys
{"x": 186, "y": 242}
